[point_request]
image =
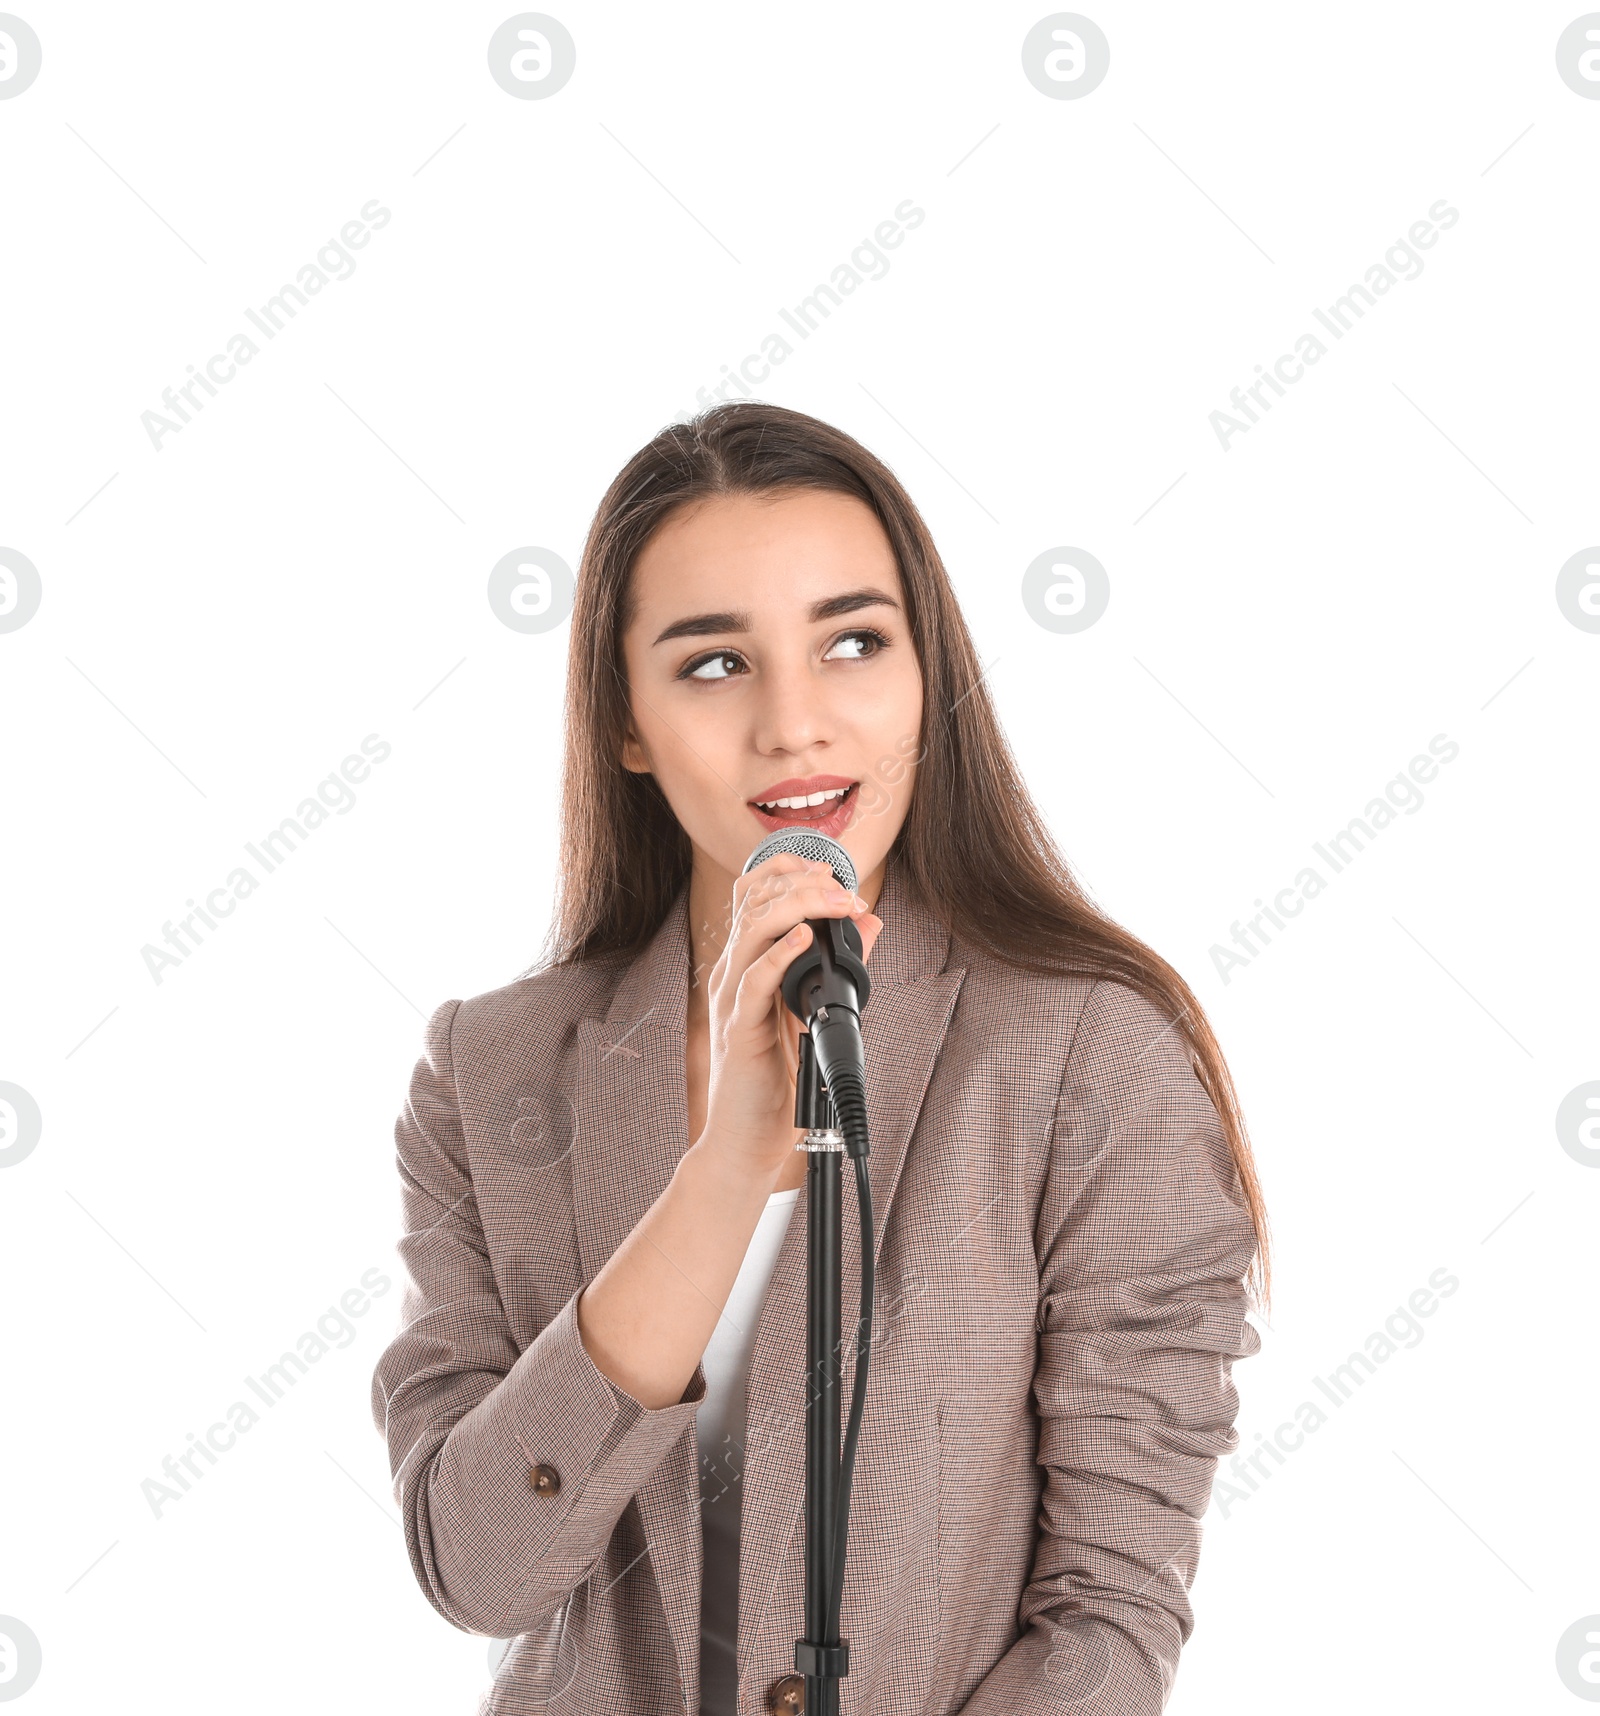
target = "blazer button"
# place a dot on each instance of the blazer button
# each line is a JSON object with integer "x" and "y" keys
{"x": 787, "y": 1695}
{"x": 545, "y": 1481}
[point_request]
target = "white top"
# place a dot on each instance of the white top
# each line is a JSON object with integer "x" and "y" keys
{"x": 720, "y": 1432}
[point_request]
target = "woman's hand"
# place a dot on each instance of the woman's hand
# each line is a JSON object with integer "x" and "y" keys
{"x": 646, "y": 1317}
{"x": 755, "y": 1039}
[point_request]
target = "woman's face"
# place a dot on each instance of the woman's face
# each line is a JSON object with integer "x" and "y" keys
{"x": 770, "y": 657}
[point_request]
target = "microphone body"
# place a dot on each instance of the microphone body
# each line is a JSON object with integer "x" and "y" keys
{"x": 826, "y": 988}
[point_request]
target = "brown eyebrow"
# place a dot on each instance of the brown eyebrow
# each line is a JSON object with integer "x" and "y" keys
{"x": 738, "y": 619}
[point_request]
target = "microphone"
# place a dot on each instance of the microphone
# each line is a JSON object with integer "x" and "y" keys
{"x": 826, "y": 985}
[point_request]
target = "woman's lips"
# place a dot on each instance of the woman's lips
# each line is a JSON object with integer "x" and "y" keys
{"x": 839, "y": 812}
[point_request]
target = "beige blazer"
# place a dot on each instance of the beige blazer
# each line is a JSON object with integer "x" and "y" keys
{"x": 1061, "y": 1243}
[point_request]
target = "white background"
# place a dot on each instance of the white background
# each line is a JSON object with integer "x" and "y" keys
{"x": 224, "y": 620}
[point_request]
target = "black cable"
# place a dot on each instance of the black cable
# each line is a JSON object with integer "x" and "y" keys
{"x": 858, "y": 1395}
{"x": 850, "y": 1106}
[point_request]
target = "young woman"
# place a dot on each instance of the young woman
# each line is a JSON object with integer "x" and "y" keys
{"x": 596, "y": 1408}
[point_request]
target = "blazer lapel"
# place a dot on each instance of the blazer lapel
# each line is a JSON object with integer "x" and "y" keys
{"x": 630, "y": 1130}
{"x": 631, "y": 1111}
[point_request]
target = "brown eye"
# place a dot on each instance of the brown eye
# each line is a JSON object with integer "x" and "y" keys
{"x": 691, "y": 670}
{"x": 876, "y": 638}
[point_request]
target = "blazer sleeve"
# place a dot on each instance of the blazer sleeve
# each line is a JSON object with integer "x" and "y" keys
{"x": 475, "y": 1426}
{"x": 1143, "y": 1239}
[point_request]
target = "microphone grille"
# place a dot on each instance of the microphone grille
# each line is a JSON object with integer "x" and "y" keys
{"x": 808, "y": 844}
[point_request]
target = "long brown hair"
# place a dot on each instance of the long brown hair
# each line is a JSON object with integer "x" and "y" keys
{"x": 974, "y": 849}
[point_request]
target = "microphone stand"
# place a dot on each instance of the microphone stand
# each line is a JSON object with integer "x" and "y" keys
{"x": 821, "y": 1659}
{"x": 825, "y": 988}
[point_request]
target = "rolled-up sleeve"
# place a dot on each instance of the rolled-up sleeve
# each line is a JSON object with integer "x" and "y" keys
{"x": 1143, "y": 1241}
{"x": 511, "y": 1468}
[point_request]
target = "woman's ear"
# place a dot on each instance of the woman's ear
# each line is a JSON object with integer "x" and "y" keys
{"x": 633, "y": 757}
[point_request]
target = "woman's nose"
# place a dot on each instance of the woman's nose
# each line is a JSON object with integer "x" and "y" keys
{"x": 790, "y": 712}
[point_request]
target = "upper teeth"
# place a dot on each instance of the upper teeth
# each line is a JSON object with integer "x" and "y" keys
{"x": 801, "y": 802}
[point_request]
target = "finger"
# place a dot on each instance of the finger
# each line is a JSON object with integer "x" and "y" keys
{"x": 778, "y": 861}
{"x": 755, "y": 894}
{"x": 754, "y": 997}
{"x": 764, "y": 886}
{"x": 765, "y": 879}
{"x": 779, "y": 864}
{"x": 766, "y": 920}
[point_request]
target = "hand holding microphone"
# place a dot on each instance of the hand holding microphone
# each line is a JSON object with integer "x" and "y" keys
{"x": 827, "y": 985}
{"x": 754, "y": 1037}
